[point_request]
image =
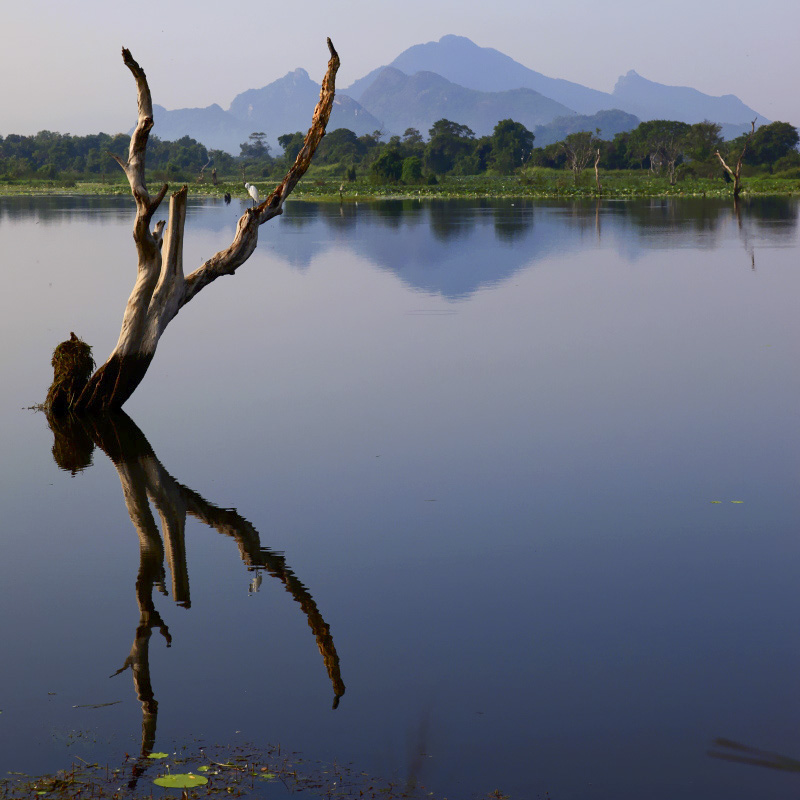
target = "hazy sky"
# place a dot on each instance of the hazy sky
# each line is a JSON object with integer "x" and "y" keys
{"x": 60, "y": 67}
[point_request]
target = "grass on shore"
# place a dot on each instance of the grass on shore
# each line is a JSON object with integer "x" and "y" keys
{"x": 537, "y": 183}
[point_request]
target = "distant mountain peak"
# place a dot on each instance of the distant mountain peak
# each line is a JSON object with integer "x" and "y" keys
{"x": 651, "y": 100}
{"x": 452, "y": 37}
{"x": 417, "y": 100}
{"x": 454, "y": 78}
{"x": 298, "y": 74}
{"x": 484, "y": 69}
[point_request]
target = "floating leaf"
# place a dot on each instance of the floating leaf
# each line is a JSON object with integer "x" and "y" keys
{"x": 737, "y": 501}
{"x": 204, "y": 768}
{"x": 267, "y": 776}
{"x": 158, "y": 755}
{"x": 717, "y": 502}
{"x": 186, "y": 780}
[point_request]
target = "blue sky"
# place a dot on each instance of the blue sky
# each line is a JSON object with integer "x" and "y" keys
{"x": 60, "y": 67}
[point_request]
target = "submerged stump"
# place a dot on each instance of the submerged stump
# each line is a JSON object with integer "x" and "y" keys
{"x": 73, "y": 365}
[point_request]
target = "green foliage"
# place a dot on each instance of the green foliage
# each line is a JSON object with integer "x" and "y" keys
{"x": 446, "y": 127}
{"x": 255, "y": 147}
{"x": 291, "y": 144}
{"x": 579, "y": 148}
{"x": 551, "y": 156}
{"x": 449, "y": 143}
{"x": 685, "y": 152}
{"x": 702, "y": 140}
{"x": 511, "y": 144}
{"x": 699, "y": 147}
{"x": 659, "y": 141}
{"x": 413, "y": 141}
{"x": 54, "y": 155}
{"x": 412, "y": 170}
{"x": 771, "y": 143}
{"x": 340, "y": 146}
{"x": 388, "y": 167}
{"x": 662, "y": 143}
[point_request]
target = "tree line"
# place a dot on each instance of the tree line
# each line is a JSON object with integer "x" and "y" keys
{"x": 663, "y": 147}
{"x": 50, "y": 155}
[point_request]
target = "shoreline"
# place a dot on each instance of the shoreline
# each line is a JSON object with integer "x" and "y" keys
{"x": 552, "y": 186}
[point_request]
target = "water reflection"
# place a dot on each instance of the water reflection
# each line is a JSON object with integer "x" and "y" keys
{"x": 56, "y": 209}
{"x": 730, "y": 750}
{"x": 454, "y": 251}
{"x": 144, "y": 480}
{"x": 450, "y": 248}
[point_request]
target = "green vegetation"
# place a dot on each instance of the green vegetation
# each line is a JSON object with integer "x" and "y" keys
{"x": 244, "y": 771}
{"x": 659, "y": 157}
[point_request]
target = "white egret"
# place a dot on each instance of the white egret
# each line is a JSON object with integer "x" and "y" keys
{"x": 253, "y": 192}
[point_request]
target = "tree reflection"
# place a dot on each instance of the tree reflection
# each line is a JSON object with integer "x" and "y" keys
{"x": 144, "y": 481}
{"x": 512, "y": 221}
{"x": 451, "y": 220}
{"x": 729, "y": 750}
{"x": 57, "y": 209}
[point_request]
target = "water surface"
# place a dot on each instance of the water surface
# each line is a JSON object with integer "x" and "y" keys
{"x": 513, "y": 485}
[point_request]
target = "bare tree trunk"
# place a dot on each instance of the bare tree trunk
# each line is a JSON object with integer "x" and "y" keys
{"x": 161, "y": 289}
{"x": 597, "y": 172}
{"x": 202, "y": 176}
{"x": 736, "y": 174}
{"x": 579, "y": 148}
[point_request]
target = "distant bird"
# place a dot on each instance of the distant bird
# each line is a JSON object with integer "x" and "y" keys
{"x": 227, "y": 198}
{"x": 253, "y": 192}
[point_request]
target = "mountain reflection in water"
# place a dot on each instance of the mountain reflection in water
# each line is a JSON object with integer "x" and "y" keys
{"x": 144, "y": 480}
{"x": 524, "y": 232}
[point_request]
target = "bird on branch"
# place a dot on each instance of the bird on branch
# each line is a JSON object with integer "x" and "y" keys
{"x": 252, "y": 191}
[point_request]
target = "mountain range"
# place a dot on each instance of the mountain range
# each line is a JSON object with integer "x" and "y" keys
{"x": 461, "y": 81}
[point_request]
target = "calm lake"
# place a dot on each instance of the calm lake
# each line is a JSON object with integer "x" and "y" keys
{"x": 482, "y": 495}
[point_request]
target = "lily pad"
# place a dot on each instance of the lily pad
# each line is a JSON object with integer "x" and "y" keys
{"x": 158, "y": 755}
{"x": 204, "y": 768}
{"x": 185, "y": 780}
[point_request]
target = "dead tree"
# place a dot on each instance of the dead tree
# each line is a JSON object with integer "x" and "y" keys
{"x": 579, "y": 148}
{"x": 597, "y": 172}
{"x": 736, "y": 174}
{"x": 202, "y": 176}
{"x": 161, "y": 289}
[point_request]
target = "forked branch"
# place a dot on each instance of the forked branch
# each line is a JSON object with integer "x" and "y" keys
{"x": 225, "y": 262}
{"x": 161, "y": 290}
{"x": 736, "y": 174}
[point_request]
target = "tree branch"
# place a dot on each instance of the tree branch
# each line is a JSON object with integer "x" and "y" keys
{"x": 161, "y": 290}
{"x": 736, "y": 175}
{"x": 244, "y": 243}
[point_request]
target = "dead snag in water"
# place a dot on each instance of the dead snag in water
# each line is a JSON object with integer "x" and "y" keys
{"x": 161, "y": 289}
{"x": 736, "y": 174}
{"x": 73, "y": 365}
